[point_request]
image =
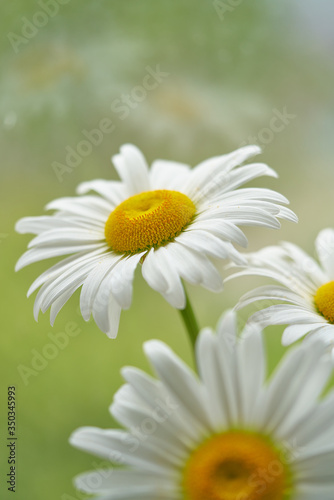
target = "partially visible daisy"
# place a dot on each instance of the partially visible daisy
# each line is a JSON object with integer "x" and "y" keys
{"x": 171, "y": 219}
{"x": 227, "y": 435}
{"x": 307, "y": 291}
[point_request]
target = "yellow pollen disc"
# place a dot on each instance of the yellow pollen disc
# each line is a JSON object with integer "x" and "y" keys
{"x": 324, "y": 301}
{"x": 237, "y": 465}
{"x": 147, "y": 220}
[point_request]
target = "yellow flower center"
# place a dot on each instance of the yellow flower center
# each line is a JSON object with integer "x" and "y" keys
{"x": 147, "y": 220}
{"x": 324, "y": 301}
{"x": 237, "y": 465}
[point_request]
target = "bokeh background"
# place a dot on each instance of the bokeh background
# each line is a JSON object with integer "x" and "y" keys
{"x": 228, "y": 68}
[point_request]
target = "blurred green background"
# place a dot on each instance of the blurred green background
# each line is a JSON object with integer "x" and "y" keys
{"x": 229, "y": 68}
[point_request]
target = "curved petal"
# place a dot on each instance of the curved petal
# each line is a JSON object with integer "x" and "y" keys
{"x": 132, "y": 169}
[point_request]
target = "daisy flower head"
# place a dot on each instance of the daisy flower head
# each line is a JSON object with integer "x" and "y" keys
{"x": 226, "y": 434}
{"x": 305, "y": 290}
{"x": 171, "y": 219}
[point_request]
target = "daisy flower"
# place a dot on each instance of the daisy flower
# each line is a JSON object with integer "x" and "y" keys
{"x": 225, "y": 435}
{"x": 306, "y": 289}
{"x": 171, "y": 219}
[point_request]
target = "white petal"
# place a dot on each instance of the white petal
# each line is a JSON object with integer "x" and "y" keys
{"x": 243, "y": 216}
{"x": 195, "y": 268}
{"x": 203, "y": 241}
{"x": 270, "y": 293}
{"x": 251, "y": 371}
{"x": 155, "y": 395}
{"x": 179, "y": 380}
{"x": 114, "y": 191}
{"x": 209, "y": 176}
{"x": 91, "y": 207}
{"x": 209, "y": 369}
{"x": 283, "y": 314}
{"x": 132, "y": 169}
{"x": 67, "y": 236}
{"x": 54, "y": 288}
{"x": 245, "y": 174}
{"x": 61, "y": 301}
{"x": 106, "y": 311}
{"x": 153, "y": 273}
{"x": 169, "y": 175}
{"x": 159, "y": 270}
{"x": 62, "y": 266}
{"x": 293, "y": 392}
{"x": 295, "y": 332}
{"x": 121, "y": 279}
{"x": 41, "y": 253}
{"x": 221, "y": 228}
{"x": 37, "y": 225}
{"x": 117, "y": 483}
{"x": 325, "y": 250}
{"x": 93, "y": 282}
{"x": 116, "y": 446}
{"x": 254, "y": 194}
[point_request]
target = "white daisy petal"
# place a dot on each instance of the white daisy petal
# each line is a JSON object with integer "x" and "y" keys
{"x": 300, "y": 388}
{"x": 156, "y": 396}
{"x": 56, "y": 270}
{"x": 37, "y": 225}
{"x": 158, "y": 266}
{"x": 132, "y": 168}
{"x": 121, "y": 279}
{"x": 295, "y": 332}
{"x": 46, "y": 252}
{"x": 254, "y": 194}
{"x": 65, "y": 236}
{"x": 116, "y": 447}
{"x": 92, "y": 207}
{"x": 203, "y": 241}
{"x": 129, "y": 414}
{"x": 169, "y": 175}
{"x": 325, "y": 250}
{"x": 269, "y": 293}
{"x": 210, "y": 175}
{"x": 178, "y": 379}
{"x": 93, "y": 282}
{"x": 209, "y": 370}
{"x": 251, "y": 373}
{"x": 106, "y": 311}
{"x": 54, "y": 288}
{"x": 57, "y": 304}
{"x": 125, "y": 481}
{"x": 114, "y": 191}
{"x": 223, "y": 229}
{"x": 282, "y": 314}
{"x": 194, "y": 267}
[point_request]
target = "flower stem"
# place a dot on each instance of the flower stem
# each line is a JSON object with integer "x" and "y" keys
{"x": 190, "y": 321}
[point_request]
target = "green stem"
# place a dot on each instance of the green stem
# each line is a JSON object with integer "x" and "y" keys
{"x": 190, "y": 321}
